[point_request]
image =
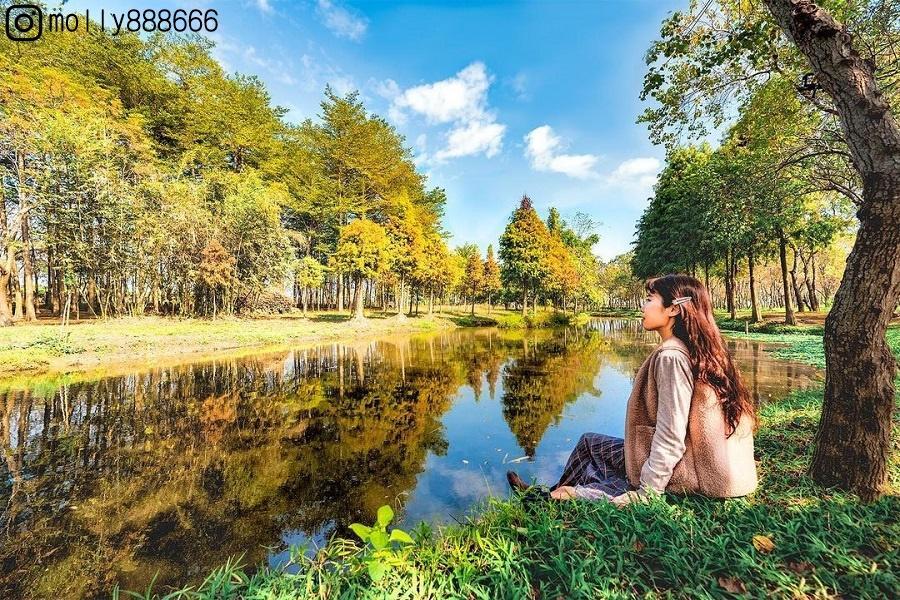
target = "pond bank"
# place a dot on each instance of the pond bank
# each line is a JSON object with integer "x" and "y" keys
{"x": 46, "y": 347}
{"x": 791, "y": 538}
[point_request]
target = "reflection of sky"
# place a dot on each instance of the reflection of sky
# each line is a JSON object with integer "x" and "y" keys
{"x": 481, "y": 447}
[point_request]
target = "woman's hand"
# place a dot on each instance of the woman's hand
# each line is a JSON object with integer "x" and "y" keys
{"x": 627, "y": 498}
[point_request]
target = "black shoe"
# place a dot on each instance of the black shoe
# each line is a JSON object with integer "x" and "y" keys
{"x": 516, "y": 482}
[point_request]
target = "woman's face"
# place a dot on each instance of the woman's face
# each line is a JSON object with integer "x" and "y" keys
{"x": 656, "y": 316}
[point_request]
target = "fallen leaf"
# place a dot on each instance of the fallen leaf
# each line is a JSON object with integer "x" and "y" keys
{"x": 763, "y": 543}
{"x": 800, "y": 568}
{"x": 638, "y": 545}
{"x": 733, "y": 585}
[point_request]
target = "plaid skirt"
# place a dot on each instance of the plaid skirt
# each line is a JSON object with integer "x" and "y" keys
{"x": 596, "y": 467}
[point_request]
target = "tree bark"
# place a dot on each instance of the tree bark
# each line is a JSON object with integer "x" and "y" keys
{"x": 810, "y": 284}
{"x": 754, "y": 301}
{"x": 6, "y": 266}
{"x": 358, "y": 298}
{"x": 28, "y": 267}
{"x": 28, "y": 270}
{"x": 798, "y": 296}
{"x": 853, "y": 440}
{"x": 789, "y": 318}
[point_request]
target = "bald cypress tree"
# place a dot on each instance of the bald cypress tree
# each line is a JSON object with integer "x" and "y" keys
{"x": 524, "y": 248}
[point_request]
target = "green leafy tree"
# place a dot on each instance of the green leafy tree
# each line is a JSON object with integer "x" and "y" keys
{"x": 524, "y": 247}
{"x": 491, "y": 283}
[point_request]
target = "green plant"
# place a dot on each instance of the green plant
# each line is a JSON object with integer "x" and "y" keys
{"x": 383, "y": 553}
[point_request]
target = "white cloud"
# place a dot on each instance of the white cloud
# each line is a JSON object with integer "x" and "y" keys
{"x": 475, "y": 137}
{"x": 460, "y": 100}
{"x": 543, "y": 150}
{"x": 461, "y": 97}
{"x": 387, "y": 89}
{"x": 341, "y": 21}
{"x": 264, "y": 6}
{"x": 641, "y": 172}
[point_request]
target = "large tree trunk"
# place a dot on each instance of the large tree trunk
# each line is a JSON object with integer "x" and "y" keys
{"x": 7, "y": 264}
{"x": 789, "y": 318}
{"x": 853, "y": 441}
{"x": 27, "y": 304}
{"x": 358, "y": 298}
{"x": 810, "y": 284}
{"x": 5, "y": 309}
{"x": 28, "y": 269}
{"x": 798, "y": 295}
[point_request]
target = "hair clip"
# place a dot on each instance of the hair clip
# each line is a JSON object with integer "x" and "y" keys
{"x": 681, "y": 300}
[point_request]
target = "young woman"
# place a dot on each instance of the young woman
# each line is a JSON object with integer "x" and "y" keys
{"x": 689, "y": 423}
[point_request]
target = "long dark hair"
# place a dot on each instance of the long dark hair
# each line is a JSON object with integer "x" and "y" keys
{"x": 710, "y": 361}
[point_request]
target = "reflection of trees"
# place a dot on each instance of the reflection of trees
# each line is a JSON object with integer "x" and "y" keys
{"x": 175, "y": 470}
{"x": 549, "y": 374}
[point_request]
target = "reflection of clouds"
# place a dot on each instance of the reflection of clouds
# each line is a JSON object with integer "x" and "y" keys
{"x": 551, "y": 467}
{"x": 469, "y": 484}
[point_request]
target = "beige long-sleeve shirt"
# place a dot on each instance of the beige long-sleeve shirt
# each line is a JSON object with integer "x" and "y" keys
{"x": 674, "y": 388}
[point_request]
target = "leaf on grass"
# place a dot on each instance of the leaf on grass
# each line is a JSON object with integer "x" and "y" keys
{"x": 638, "y": 546}
{"x": 385, "y": 515}
{"x": 376, "y": 569}
{"x": 361, "y": 530}
{"x": 763, "y": 543}
{"x": 801, "y": 568}
{"x": 733, "y": 585}
{"x": 398, "y": 535}
{"x": 379, "y": 539}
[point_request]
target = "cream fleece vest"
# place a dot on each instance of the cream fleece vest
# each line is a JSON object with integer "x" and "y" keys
{"x": 712, "y": 465}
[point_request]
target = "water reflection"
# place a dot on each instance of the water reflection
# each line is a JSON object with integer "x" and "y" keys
{"x": 173, "y": 470}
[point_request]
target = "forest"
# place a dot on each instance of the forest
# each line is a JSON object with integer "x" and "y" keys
{"x": 138, "y": 177}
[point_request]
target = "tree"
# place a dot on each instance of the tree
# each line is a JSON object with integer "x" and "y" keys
{"x": 491, "y": 284}
{"x": 855, "y": 427}
{"x": 714, "y": 55}
{"x": 473, "y": 276}
{"x": 216, "y": 271}
{"x": 524, "y": 247}
{"x": 363, "y": 252}
{"x": 309, "y": 274}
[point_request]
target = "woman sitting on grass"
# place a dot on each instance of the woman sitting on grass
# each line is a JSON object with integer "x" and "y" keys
{"x": 689, "y": 423}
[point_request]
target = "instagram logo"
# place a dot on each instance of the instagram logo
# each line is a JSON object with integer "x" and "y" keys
{"x": 24, "y": 22}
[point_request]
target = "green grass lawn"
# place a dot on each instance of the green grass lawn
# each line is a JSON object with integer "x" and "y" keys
{"x": 790, "y": 538}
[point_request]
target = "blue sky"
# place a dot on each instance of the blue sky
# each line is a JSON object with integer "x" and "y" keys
{"x": 496, "y": 99}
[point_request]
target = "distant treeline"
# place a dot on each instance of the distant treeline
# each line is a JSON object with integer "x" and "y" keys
{"x": 137, "y": 176}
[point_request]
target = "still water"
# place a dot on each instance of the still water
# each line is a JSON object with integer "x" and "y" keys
{"x": 170, "y": 471}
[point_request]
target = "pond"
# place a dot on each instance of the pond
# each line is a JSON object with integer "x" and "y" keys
{"x": 170, "y": 471}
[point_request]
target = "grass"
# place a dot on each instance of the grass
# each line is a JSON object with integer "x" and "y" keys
{"x": 790, "y": 538}
{"x": 45, "y": 347}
